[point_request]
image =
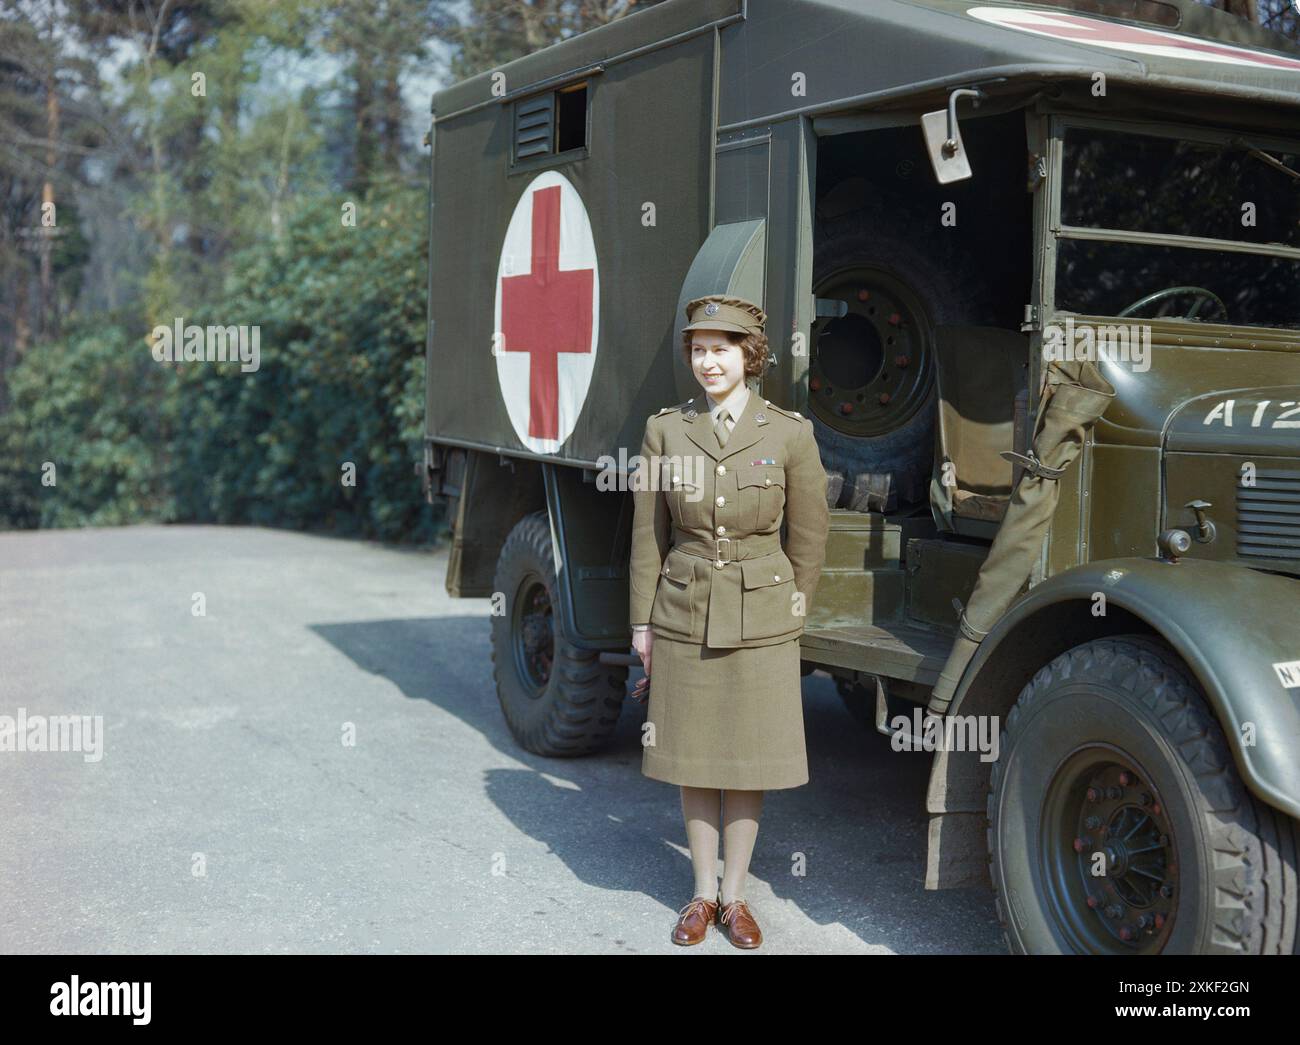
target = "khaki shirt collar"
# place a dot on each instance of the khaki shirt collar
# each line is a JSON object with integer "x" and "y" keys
{"x": 735, "y": 404}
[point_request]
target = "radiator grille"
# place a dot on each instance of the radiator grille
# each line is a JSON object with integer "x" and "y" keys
{"x": 1268, "y": 516}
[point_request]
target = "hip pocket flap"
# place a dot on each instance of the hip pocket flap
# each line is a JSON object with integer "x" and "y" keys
{"x": 678, "y": 568}
{"x": 767, "y": 570}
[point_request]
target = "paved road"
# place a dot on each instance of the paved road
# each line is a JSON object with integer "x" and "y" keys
{"x": 227, "y": 814}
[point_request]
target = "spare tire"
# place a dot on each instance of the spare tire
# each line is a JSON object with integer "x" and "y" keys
{"x": 871, "y": 388}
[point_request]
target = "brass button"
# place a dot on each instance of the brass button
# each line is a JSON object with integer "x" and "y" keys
{"x": 722, "y": 469}
{"x": 776, "y": 576}
{"x": 718, "y": 564}
{"x": 722, "y": 502}
{"x": 722, "y": 529}
{"x": 665, "y": 569}
{"x": 677, "y": 478}
{"x": 767, "y": 482}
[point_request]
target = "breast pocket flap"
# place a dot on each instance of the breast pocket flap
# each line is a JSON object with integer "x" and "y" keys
{"x": 762, "y": 475}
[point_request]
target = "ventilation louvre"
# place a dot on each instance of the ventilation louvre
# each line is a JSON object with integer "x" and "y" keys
{"x": 534, "y": 126}
{"x": 1268, "y": 516}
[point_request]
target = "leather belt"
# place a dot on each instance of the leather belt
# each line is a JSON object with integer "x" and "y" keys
{"x": 728, "y": 549}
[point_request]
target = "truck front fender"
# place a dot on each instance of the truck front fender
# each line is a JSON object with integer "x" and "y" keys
{"x": 1235, "y": 628}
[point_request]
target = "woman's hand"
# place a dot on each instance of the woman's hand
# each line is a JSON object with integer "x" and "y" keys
{"x": 643, "y": 642}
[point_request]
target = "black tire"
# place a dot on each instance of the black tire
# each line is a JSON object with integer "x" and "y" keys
{"x": 558, "y": 700}
{"x": 880, "y": 455}
{"x": 1214, "y": 870}
{"x": 859, "y": 701}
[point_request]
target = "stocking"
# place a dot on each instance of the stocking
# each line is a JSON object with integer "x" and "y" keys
{"x": 740, "y": 813}
{"x": 701, "y": 806}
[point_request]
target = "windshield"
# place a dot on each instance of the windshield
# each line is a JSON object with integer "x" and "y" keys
{"x": 1123, "y": 182}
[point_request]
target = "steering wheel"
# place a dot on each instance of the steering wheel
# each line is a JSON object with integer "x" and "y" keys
{"x": 1201, "y": 295}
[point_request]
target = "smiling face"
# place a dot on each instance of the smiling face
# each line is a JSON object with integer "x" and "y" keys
{"x": 718, "y": 365}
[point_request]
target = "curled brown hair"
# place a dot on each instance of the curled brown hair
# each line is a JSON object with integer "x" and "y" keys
{"x": 752, "y": 346}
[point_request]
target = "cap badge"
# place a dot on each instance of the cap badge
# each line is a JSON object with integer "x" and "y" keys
{"x": 711, "y": 309}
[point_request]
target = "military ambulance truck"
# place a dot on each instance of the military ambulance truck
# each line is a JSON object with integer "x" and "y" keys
{"x": 941, "y": 205}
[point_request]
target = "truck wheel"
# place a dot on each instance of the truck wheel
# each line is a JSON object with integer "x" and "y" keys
{"x": 1117, "y": 821}
{"x": 871, "y": 389}
{"x": 558, "y": 700}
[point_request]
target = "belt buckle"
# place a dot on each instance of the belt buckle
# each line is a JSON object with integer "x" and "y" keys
{"x": 719, "y": 542}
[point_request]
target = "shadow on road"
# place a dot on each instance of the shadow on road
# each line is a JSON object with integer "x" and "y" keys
{"x": 858, "y": 827}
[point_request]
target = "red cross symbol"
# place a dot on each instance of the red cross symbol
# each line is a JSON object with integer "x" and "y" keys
{"x": 545, "y": 313}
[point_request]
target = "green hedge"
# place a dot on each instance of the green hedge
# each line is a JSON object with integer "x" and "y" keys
{"x": 83, "y": 413}
{"x": 341, "y": 312}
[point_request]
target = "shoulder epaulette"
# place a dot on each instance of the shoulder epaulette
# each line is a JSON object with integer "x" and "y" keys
{"x": 794, "y": 414}
{"x": 670, "y": 409}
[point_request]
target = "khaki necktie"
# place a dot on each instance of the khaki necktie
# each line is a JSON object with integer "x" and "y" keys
{"x": 720, "y": 427}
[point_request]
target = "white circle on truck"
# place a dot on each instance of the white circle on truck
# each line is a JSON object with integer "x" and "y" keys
{"x": 547, "y": 317}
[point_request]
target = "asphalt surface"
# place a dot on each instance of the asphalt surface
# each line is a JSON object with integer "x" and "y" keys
{"x": 318, "y": 763}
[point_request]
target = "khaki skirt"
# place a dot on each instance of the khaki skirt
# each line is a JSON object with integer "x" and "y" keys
{"x": 725, "y": 718}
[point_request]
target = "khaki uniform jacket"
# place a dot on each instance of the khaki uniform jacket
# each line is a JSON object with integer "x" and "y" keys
{"x": 707, "y": 562}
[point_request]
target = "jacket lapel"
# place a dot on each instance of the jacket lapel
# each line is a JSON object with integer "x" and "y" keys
{"x": 699, "y": 428}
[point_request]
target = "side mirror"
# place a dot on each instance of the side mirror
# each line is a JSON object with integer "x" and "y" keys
{"x": 943, "y": 138}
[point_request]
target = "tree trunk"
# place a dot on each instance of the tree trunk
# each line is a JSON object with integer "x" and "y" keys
{"x": 364, "y": 114}
{"x": 49, "y": 302}
{"x": 393, "y": 112}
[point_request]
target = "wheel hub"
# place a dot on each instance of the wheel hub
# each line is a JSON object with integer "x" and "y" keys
{"x": 534, "y": 636}
{"x": 870, "y": 368}
{"x": 1108, "y": 855}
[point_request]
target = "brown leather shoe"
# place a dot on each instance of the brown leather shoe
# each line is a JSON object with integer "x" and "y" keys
{"x": 739, "y": 926}
{"x": 693, "y": 921}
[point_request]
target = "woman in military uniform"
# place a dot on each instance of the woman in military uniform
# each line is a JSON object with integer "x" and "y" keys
{"x": 718, "y": 601}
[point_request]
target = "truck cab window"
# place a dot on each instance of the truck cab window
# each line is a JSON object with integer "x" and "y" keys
{"x": 1169, "y": 189}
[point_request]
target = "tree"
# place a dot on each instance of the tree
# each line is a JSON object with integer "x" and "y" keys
{"x": 1279, "y": 15}
{"x": 49, "y": 124}
{"x": 494, "y": 32}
